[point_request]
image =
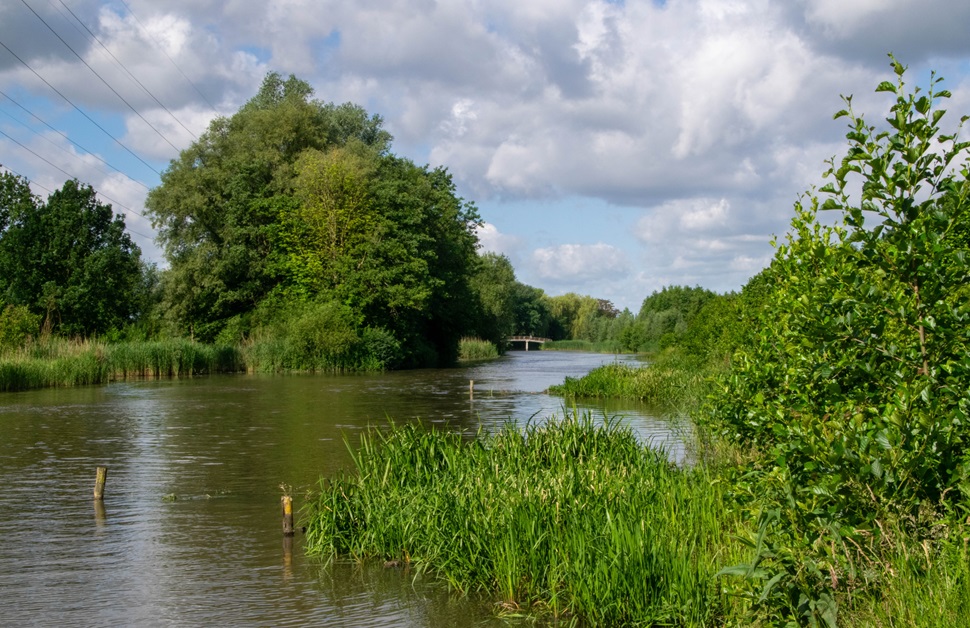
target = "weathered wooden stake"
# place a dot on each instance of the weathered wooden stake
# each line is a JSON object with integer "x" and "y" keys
{"x": 99, "y": 480}
{"x": 471, "y": 388}
{"x": 287, "y": 515}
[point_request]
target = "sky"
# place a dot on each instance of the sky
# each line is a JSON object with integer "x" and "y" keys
{"x": 611, "y": 147}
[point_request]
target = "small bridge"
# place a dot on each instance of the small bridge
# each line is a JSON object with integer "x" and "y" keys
{"x": 525, "y": 340}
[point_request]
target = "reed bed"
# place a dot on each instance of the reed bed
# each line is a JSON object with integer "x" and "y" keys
{"x": 58, "y": 362}
{"x": 474, "y": 349}
{"x": 570, "y": 518}
{"x": 664, "y": 383}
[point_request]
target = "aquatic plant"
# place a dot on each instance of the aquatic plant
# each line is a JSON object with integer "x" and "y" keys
{"x": 471, "y": 349}
{"x": 569, "y": 517}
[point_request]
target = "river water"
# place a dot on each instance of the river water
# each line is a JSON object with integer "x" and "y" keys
{"x": 189, "y": 532}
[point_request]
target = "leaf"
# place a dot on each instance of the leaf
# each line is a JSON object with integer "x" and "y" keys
{"x": 886, "y": 86}
{"x": 770, "y": 585}
{"x": 840, "y": 114}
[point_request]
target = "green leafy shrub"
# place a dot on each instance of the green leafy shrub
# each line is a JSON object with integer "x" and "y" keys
{"x": 856, "y": 383}
{"x": 17, "y": 326}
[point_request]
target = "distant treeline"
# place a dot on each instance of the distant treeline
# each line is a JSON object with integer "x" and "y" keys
{"x": 292, "y": 231}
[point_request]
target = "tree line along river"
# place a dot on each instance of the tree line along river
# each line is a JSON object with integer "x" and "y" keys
{"x": 189, "y": 531}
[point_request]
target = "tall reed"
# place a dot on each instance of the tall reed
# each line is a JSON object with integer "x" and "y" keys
{"x": 568, "y": 518}
{"x": 472, "y": 349}
{"x": 60, "y": 362}
{"x": 661, "y": 383}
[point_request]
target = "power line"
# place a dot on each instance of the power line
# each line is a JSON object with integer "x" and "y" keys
{"x": 49, "y": 191}
{"x": 159, "y": 46}
{"x": 25, "y": 178}
{"x": 70, "y": 176}
{"x": 81, "y": 111}
{"x": 132, "y": 76}
{"x": 113, "y": 90}
{"x": 42, "y": 121}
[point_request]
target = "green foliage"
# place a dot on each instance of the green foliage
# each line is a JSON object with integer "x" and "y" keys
{"x": 292, "y": 201}
{"x": 17, "y": 326}
{"x": 54, "y": 362}
{"x": 493, "y": 285}
{"x": 664, "y": 317}
{"x": 855, "y": 383}
{"x": 219, "y": 205}
{"x": 472, "y": 349}
{"x": 570, "y": 518}
{"x": 670, "y": 381}
{"x": 320, "y": 336}
{"x": 68, "y": 259}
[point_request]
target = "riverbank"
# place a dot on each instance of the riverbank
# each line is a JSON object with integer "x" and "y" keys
{"x": 59, "y": 362}
{"x": 569, "y": 518}
{"x": 669, "y": 381}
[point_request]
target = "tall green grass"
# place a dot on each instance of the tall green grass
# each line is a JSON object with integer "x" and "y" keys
{"x": 472, "y": 349}
{"x": 569, "y": 518}
{"x": 58, "y": 362}
{"x": 663, "y": 383}
{"x": 923, "y": 586}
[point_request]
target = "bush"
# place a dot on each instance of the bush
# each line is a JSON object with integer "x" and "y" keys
{"x": 17, "y": 326}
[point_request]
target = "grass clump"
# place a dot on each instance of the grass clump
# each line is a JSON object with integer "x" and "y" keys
{"x": 54, "y": 362}
{"x": 474, "y": 349}
{"x": 668, "y": 381}
{"x": 569, "y": 518}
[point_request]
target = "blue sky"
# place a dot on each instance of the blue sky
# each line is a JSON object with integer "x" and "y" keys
{"x": 612, "y": 148}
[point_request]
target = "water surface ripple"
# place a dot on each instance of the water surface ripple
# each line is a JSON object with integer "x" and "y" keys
{"x": 189, "y": 531}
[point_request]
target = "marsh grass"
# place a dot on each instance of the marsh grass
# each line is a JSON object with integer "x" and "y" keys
{"x": 473, "y": 349}
{"x": 58, "y": 362}
{"x": 922, "y": 586}
{"x": 569, "y": 518}
{"x": 666, "y": 382}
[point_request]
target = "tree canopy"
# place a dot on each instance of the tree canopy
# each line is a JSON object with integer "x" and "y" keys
{"x": 68, "y": 260}
{"x": 292, "y": 200}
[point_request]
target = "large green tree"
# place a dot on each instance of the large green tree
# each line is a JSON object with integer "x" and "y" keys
{"x": 218, "y": 206}
{"x": 291, "y": 201}
{"x": 69, "y": 259}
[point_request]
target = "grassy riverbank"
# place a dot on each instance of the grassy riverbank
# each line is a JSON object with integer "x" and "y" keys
{"x": 568, "y": 518}
{"x": 669, "y": 381}
{"x": 59, "y": 362}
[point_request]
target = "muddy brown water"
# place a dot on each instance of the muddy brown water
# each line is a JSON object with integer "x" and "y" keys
{"x": 189, "y": 533}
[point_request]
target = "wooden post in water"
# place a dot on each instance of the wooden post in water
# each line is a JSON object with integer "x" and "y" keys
{"x": 287, "y": 515}
{"x": 471, "y": 388}
{"x": 99, "y": 480}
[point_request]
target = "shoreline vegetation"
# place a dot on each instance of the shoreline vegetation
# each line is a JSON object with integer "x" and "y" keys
{"x": 570, "y": 518}
{"x": 58, "y": 362}
{"x": 829, "y": 482}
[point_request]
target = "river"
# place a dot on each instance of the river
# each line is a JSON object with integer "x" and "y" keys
{"x": 189, "y": 532}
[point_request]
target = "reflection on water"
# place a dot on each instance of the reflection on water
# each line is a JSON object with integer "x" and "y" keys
{"x": 189, "y": 532}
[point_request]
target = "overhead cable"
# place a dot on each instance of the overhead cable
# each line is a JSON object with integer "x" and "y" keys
{"x": 88, "y": 152}
{"x": 160, "y": 47}
{"x": 113, "y": 90}
{"x": 132, "y": 76}
{"x": 81, "y": 111}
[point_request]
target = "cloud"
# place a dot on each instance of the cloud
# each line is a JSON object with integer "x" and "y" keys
{"x": 580, "y": 262}
{"x": 697, "y": 122}
{"x": 494, "y": 241}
